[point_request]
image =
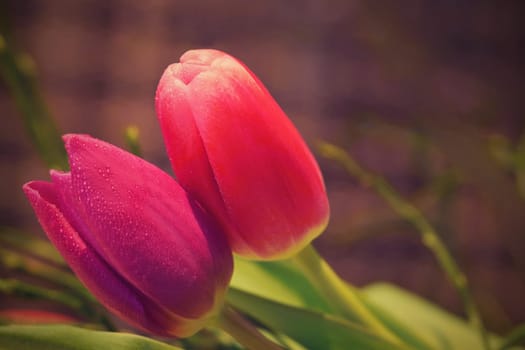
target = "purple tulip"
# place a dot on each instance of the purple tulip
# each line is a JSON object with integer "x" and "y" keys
{"x": 234, "y": 149}
{"x": 132, "y": 235}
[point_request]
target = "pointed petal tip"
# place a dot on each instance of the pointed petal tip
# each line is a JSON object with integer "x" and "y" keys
{"x": 28, "y": 188}
{"x": 181, "y": 74}
{"x": 35, "y": 186}
{"x": 81, "y": 149}
{"x": 69, "y": 142}
{"x": 55, "y": 172}
{"x": 70, "y": 138}
{"x": 201, "y": 56}
{"x": 39, "y": 191}
{"x": 59, "y": 177}
{"x": 171, "y": 79}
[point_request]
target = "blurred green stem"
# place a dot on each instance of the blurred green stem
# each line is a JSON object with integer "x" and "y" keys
{"x": 520, "y": 165}
{"x": 16, "y": 262}
{"x": 343, "y": 297}
{"x": 19, "y": 73}
{"x": 36, "y": 264}
{"x": 20, "y": 289}
{"x": 243, "y": 331}
{"x": 515, "y": 337}
{"x": 24, "y": 290}
{"x": 429, "y": 236}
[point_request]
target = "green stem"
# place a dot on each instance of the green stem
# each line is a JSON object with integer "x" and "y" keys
{"x": 15, "y": 261}
{"x": 28, "y": 245}
{"x": 243, "y": 331}
{"x": 343, "y": 298}
{"x": 429, "y": 236}
{"x": 514, "y": 338}
{"x": 19, "y": 73}
{"x": 89, "y": 306}
{"x": 24, "y": 290}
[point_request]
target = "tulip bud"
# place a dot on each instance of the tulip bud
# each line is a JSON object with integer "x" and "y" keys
{"x": 234, "y": 150}
{"x": 132, "y": 235}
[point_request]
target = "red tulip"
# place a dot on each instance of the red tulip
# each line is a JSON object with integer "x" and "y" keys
{"x": 234, "y": 150}
{"x": 133, "y": 236}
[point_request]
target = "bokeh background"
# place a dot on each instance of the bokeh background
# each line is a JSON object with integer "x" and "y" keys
{"x": 428, "y": 94}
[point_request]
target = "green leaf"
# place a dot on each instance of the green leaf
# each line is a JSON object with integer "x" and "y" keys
{"x": 283, "y": 282}
{"x": 28, "y": 244}
{"x": 24, "y": 265}
{"x": 420, "y": 323}
{"x": 433, "y": 325}
{"x": 21, "y": 289}
{"x": 312, "y": 329}
{"x": 279, "y": 281}
{"x": 515, "y": 337}
{"x": 59, "y": 337}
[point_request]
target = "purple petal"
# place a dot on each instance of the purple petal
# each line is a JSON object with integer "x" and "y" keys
{"x": 112, "y": 291}
{"x": 148, "y": 230}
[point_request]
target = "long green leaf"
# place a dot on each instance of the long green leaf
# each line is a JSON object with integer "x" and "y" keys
{"x": 279, "y": 281}
{"x": 59, "y": 337}
{"x": 435, "y": 326}
{"x": 282, "y": 282}
{"x": 312, "y": 329}
{"x": 421, "y": 324}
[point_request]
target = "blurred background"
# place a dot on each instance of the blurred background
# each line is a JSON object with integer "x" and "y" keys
{"x": 428, "y": 94}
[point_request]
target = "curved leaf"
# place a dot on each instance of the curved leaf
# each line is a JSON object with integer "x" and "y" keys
{"x": 435, "y": 326}
{"x": 59, "y": 337}
{"x": 312, "y": 329}
{"x": 279, "y": 281}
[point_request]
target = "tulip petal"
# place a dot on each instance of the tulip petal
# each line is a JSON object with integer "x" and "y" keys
{"x": 270, "y": 186}
{"x": 186, "y": 150}
{"x": 282, "y": 180}
{"x": 114, "y": 292}
{"x": 201, "y": 57}
{"x": 147, "y": 229}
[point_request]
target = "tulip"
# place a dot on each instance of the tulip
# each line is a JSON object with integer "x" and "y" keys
{"x": 133, "y": 236}
{"x": 233, "y": 149}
